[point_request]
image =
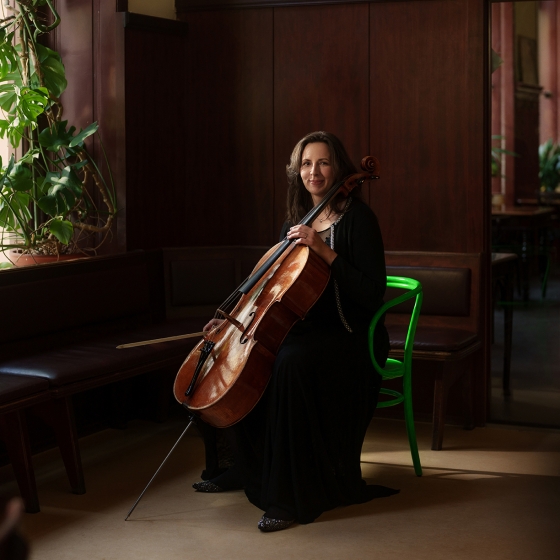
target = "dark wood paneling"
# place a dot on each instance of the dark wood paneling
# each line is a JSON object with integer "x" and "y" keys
{"x": 191, "y": 5}
{"x": 183, "y": 6}
{"x": 152, "y": 24}
{"x": 156, "y": 88}
{"x": 109, "y": 108}
{"x": 320, "y": 82}
{"x": 139, "y": 92}
{"x": 86, "y": 42}
{"x": 430, "y": 130}
{"x": 228, "y": 140}
{"x": 427, "y": 124}
{"x": 74, "y": 42}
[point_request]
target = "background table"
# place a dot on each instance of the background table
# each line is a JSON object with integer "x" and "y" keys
{"x": 504, "y": 270}
{"x": 523, "y": 230}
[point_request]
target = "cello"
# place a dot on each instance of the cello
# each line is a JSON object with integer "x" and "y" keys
{"x": 226, "y": 373}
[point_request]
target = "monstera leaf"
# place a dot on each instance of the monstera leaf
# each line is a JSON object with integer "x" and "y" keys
{"x": 62, "y": 192}
{"x": 54, "y": 76}
{"x": 56, "y": 137}
{"x": 62, "y": 230}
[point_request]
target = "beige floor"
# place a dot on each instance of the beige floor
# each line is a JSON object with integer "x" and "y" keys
{"x": 492, "y": 493}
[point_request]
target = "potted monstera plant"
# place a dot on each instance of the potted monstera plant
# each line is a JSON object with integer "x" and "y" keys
{"x": 54, "y": 200}
{"x": 549, "y": 166}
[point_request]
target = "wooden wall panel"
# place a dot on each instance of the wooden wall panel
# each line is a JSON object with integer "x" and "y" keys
{"x": 156, "y": 120}
{"x": 320, "y": 82}
{"x": 74, "y": 42}
{"x": 109, "y": 107}
{"x": 228, "y": 138}
{"x": 86, "y": 40}
{"x": 426, "y": 114}
{"x": 430, "y": 130}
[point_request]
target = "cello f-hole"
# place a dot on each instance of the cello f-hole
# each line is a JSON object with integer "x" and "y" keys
{"x": 252, "y": 315}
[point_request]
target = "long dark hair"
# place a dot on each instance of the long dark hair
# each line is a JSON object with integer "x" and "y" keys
{"x": 299, "y": 199}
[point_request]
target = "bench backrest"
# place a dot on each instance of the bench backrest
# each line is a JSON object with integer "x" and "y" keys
{"x": 46, "y": 299}
{"x": 450, "y": 282}
{"x": 199, "y": 279}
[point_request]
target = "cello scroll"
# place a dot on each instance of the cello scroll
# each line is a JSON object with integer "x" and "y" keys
{"x": 370, "y": 166}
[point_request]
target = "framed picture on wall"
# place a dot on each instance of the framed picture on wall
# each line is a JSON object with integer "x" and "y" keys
{"x": 528, "y": 61}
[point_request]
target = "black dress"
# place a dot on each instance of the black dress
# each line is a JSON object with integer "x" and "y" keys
{"x": 300, "y": 447}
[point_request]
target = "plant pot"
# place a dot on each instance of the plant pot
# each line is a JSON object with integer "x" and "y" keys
{"x": 498, "y": 200}
{"x": 24, "y": 259}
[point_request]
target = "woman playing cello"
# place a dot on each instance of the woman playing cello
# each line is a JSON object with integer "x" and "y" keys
{"x": 297, "y": 453}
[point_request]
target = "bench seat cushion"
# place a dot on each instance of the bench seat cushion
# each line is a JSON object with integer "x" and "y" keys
{"x": 16, "y": 387}
{"x": 99, "y": 357}
{"x": 432, "y": 339}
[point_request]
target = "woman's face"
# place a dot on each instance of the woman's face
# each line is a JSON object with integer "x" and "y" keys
{"x": 316, "y": 170}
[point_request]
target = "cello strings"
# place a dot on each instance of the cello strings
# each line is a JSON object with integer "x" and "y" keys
{"x": 228, "y": 303}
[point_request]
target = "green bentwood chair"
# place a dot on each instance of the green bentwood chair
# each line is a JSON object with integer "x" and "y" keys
{"x": 395, "y": 368}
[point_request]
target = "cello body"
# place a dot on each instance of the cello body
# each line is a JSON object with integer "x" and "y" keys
{"x": 238, "y": 368}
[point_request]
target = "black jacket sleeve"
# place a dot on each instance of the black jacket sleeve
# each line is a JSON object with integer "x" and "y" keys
{"x": 359, "y": 267}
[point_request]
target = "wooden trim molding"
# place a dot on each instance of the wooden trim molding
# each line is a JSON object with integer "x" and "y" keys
{"x": 122, "y": 6}
{"x": 151, "y": 23}
{"x": 184, "y": 6}
{"x": 194, "y": 5}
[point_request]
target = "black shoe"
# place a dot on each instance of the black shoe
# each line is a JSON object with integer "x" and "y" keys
{"x": 269, "y": 525}
{"x": 207, "y": 486}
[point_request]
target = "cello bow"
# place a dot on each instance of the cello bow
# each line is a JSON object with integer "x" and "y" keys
{"x": 158, "y": 340}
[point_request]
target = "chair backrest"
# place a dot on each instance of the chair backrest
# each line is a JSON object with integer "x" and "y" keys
{"x": 413, "y": 290}
{"x": 451, "y": 283}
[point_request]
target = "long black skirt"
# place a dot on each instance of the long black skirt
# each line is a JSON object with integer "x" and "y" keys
{"x": 300, "y": 447}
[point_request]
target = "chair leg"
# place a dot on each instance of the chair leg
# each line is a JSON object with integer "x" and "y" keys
{"x": 411, "y": 432}
{"x": 409, "y": 420}
{"x": 508, "y": 336}
{"x": 440, "y": 405}
{"x": 13, "y": 430}
{"x": 59, "y": 414}
{"x": 467, "y": 398}
{"x": 545, "y": 277}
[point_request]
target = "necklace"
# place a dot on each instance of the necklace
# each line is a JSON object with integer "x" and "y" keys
{"x": 327, "y": 216}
